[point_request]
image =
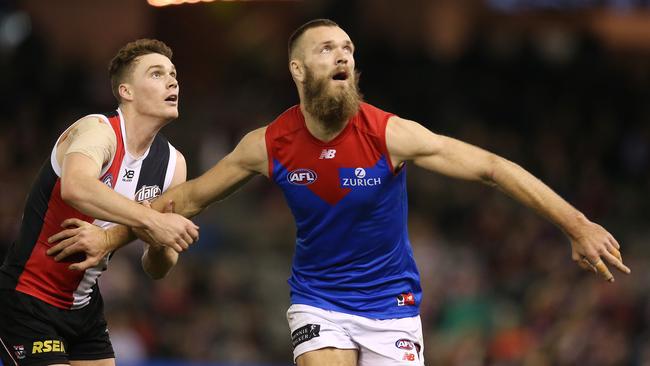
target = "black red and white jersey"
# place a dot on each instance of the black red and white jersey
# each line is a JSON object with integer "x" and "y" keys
{"x": 28, "y": 269}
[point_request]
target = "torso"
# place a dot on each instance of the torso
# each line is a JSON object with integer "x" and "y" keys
{"x": 352, "y": 249}
{"x": 28, "y": 269}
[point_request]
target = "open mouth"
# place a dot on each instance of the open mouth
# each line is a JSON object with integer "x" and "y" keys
{"x": 341, "y": 75}
{"x": 172, "y": 98}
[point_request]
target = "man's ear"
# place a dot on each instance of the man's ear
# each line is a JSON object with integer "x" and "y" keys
{"x": 297, "y": 70}
{"x": 125, "y": 92}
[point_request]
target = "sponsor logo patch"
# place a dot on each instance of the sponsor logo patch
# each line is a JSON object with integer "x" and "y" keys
{"x": 406, "y": 299}
{"x": 327, "y": 154}
{"x": 19, "y": 351}
{"x": 305, "y": 333}
{"x": 147, "y": 193}
{"x": 405, "y": 344}
{"x": 128, "y": 175}
{"x": 302, "y": 177}
{"x": 359, "y": 177}
{"x": 50, "y": 345}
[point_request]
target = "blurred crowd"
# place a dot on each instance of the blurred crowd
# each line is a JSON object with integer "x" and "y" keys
{"x": 545, "y": 89}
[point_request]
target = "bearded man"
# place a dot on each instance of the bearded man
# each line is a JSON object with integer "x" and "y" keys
{"x": 341, "y": 163}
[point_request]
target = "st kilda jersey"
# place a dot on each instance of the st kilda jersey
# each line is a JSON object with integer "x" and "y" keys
{"x": 352, "y": 252}
{"x": 28, "y": 269}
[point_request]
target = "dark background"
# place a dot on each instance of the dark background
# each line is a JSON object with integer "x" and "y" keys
{"x": 559, "y": 87}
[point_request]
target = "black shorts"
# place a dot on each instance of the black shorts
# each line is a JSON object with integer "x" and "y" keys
{"x": 33, "y": 332}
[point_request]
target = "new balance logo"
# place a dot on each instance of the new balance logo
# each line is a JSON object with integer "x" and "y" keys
{"x": 327, "y": 154}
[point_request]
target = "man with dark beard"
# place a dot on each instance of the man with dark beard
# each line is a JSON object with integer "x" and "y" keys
{"x": 355, "y": 288}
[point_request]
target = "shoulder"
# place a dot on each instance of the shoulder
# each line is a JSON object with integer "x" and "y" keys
{"x": 250, "y": 153}
{"x": 372, "y": 119}
{"x": 287, "y": 122}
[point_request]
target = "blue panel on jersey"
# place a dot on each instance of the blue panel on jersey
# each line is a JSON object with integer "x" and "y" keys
{"x": 354, "y": 256}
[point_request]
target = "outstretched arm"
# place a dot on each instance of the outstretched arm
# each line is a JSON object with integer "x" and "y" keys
{"x": 591, "y": 243}
{"x": 245, "y": 161}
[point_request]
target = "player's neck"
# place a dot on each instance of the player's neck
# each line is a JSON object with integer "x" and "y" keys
{"x": 140, "y": 131}
{"x": 321, "y": 130}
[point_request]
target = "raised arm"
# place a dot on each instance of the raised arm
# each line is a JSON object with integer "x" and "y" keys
{"x": 590, "y": 242}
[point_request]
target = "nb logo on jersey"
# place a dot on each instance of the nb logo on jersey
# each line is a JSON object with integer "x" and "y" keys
{"x": 128, "y": 175}
{"x": 302, "y": 177}
{"x": 147, "y": 193}
{"x": 327, "y": 154}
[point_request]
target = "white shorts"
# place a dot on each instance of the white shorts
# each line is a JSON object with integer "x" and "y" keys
{"x": 389, "y": 342}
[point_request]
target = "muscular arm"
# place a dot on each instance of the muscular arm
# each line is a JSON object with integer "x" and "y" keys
{"x": 408, "y": 140}
{"x": 84, "y": 149}
{"x": 158, "y": 260}
{"x": 233, "y": 171}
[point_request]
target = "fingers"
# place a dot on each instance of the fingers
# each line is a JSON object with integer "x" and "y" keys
{"x": 68, "y": 251}
{"x": 62, "y": 245}
{"x": 616, "y": 261}
{"x": 613, "y": 241}
{"x": 603, "y": 270}
{"x": 82, "y": 266}
{"x": 584, "y": 264}
{"x": 68, "y": 233}
{"x": 73, "y": 222}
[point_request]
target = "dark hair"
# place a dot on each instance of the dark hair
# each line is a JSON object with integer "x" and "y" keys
{"x": 122, "y": 64}
{"x": 303, "y": 28}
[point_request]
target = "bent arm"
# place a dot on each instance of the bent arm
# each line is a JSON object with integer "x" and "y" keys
{"x": 87, "y": 146}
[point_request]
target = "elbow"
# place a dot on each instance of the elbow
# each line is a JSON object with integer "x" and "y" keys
{"x": 156, "y": 275}
{"x": 71, "y": 193}
{"x": 490, "y": 174}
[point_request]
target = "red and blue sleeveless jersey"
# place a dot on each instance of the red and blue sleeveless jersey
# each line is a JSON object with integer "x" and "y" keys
{"x": 352, "y": 251}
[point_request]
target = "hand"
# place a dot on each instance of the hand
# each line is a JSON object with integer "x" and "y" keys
{"x": 79, "y": 237}
{"x": 170, "y": 230}
{"x": 593, "y": 247}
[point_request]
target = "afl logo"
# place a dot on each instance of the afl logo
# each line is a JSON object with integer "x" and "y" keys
{"x": 360, "y": 172}
{"x": 108, "y": 180}
{"x": 302, "y": 177}
{"x": 404, "y": 344}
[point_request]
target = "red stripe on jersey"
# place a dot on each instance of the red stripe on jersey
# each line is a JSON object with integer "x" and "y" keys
{"x": 360, "y": 144}
{"x": 45, "y": 278}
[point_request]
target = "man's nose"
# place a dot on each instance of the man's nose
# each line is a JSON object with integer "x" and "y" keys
{"x": 341, "y": 58}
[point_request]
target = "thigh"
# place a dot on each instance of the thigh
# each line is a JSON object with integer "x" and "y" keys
{"x": 102, "y": 362}
{"x": 91, "y": 343}
{"x": 315, "y": 329}
{"x": 390, "y": 342}
{"x": 329, "y": 357}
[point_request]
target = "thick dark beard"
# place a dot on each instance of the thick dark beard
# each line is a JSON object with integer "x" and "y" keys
{"x": 335, "y": 109}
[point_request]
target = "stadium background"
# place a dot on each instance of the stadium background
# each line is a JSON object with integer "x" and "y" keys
{"x": 560, "y": 87}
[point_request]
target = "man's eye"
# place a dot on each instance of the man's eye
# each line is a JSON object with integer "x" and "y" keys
{"x": 326, "y": 49}
{"x": 155, "y": 74}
